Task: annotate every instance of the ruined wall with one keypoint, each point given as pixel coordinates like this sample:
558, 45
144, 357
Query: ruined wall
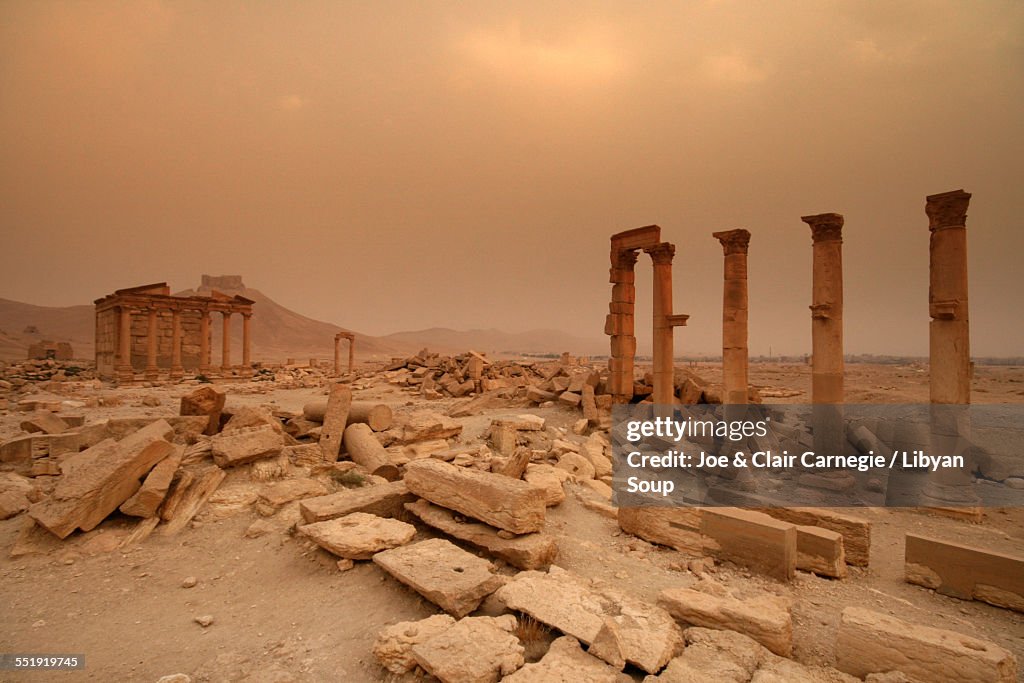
164, 334
106, 342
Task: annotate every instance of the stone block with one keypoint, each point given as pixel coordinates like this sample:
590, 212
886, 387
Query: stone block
425, 424
528, 551
97, 480
820, 551
855, 530
548, 479
964, 572
339, 402
359, 536
281, 493
45, 422
146, 501
566, 662
206, 401
383, 500
448, 576
393, 647
503, 502
870, 642
765, 618
246, 445
751, 539
473, 650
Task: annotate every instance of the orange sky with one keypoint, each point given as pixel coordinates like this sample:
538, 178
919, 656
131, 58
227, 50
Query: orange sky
397, 165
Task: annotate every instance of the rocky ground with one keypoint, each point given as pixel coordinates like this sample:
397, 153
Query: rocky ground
242, 592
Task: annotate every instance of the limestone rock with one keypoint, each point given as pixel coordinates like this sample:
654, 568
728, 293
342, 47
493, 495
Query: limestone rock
393, 648
281, 493
425, 424
383, 500
765, 618
546, 478
44, 421
473, 650
871, 642
528, 551
246, 445
206, 401
506, 503
146, 501
443, 573
97, 480
359, 536
566, 662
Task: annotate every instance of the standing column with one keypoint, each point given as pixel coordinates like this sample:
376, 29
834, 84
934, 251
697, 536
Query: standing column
619, 325
124, 346
664, 366
734, 315
204, 343
152, 371
949, 349
827, 332
177, 371
246, 344
351, 352
225, 357
337, 355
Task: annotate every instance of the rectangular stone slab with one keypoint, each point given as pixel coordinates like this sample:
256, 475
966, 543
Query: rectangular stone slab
97, 480
820, 551
154, 489
765, 618
965, 572
751, 539
383, 500
871, 642
448, 576
503, 502
529, 551
855, 530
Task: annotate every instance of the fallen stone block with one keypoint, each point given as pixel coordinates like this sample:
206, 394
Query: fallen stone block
443, 573
714, 655
870, 642
359, 536
424, 425
245, 445
16, 494
37, 446
146, 501
522, 423
191, 499
964, 572
569, 399
383, 500
576, 465
506, 503
751, 539
45, 422
364, 448
281, 493
566, 662
305, 455
473, 650
186, 429
248, 417
393, 647
529, 551
675, 527
548, 479
339, 402
206, 401
820, 551
97, 480
643, 635
856, 531
765, 618
538, 395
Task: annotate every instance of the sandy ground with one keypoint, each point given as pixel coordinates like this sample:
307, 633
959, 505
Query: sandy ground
284, 612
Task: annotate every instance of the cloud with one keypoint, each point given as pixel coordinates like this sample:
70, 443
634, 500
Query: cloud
583, 56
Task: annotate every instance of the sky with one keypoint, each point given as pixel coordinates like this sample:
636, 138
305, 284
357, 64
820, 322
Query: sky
392, 166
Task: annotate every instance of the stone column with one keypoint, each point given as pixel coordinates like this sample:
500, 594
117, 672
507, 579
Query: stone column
619, 325
152, 371
205, 367
827, 332
734, 316
949, 350
337, 355
124, 345
246, 344
177, 371
351, 353
664, 366
225, 358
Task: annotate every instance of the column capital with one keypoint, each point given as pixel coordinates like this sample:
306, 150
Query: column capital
825, 227
733, 241
947, 210
626, 258
661, 253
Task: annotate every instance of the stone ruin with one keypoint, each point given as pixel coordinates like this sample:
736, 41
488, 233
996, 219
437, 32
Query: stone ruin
147, 330
50, 350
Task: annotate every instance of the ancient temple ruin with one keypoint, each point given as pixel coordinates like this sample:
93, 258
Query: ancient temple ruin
145, 330
351, 351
